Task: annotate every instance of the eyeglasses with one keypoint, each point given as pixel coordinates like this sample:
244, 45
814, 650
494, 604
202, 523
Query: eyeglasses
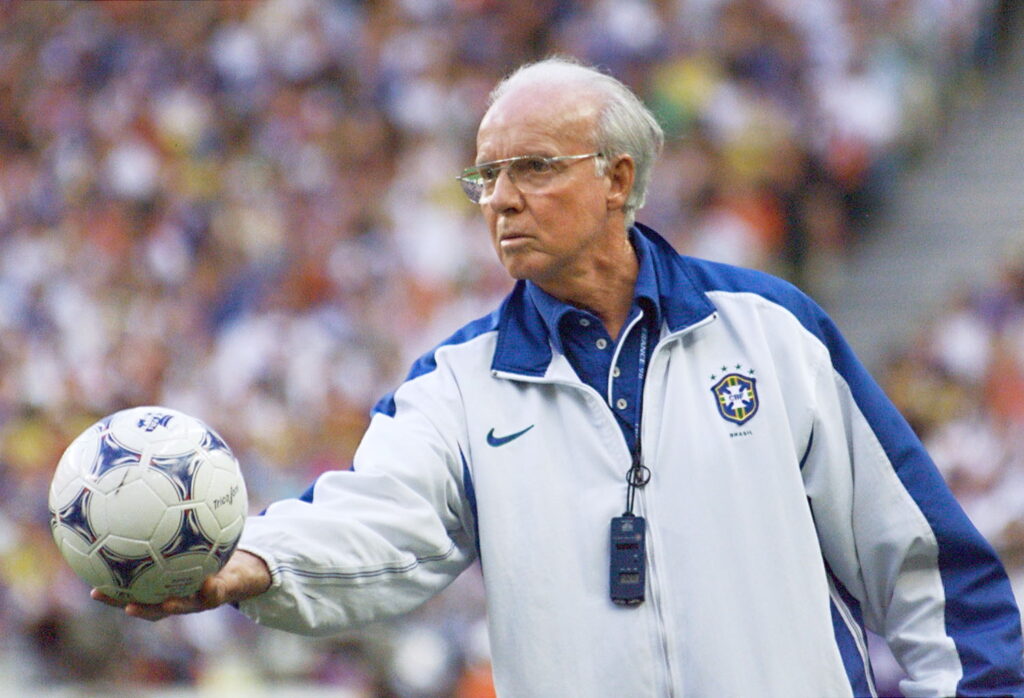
530, 173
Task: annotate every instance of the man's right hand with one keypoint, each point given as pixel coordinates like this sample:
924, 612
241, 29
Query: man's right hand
245, 575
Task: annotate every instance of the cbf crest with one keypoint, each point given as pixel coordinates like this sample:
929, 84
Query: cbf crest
736, 397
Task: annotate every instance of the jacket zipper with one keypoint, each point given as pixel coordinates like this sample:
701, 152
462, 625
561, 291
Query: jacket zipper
653, 584
659, 612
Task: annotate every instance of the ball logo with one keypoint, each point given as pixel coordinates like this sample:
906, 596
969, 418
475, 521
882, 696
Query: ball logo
229, 498
152, 420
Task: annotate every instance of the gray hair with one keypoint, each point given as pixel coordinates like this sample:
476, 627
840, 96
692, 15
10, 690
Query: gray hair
625, 125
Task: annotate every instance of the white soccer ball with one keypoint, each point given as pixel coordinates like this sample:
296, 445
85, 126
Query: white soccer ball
146, 503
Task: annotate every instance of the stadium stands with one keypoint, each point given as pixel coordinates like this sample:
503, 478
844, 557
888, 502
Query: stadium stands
248, 211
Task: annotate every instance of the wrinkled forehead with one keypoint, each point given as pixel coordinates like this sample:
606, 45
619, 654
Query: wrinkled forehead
538, 116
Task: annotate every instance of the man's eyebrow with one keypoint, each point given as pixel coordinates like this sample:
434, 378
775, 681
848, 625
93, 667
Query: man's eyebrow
494, 160
514, 157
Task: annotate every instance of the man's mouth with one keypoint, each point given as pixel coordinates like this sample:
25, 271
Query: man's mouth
509, 239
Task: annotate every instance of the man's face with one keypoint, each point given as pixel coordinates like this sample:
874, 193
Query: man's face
547, 236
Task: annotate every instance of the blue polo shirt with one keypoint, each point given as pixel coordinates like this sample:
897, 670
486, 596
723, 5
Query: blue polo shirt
615, 369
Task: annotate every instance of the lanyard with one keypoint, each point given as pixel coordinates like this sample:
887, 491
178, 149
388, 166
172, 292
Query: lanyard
627, 571
638, 474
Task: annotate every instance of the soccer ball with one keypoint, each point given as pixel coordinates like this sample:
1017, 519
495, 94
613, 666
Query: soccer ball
146, 503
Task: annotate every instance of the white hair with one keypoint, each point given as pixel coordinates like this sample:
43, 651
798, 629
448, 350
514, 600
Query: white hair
624, 125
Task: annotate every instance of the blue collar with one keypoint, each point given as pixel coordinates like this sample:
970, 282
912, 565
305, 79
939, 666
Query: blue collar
529, 318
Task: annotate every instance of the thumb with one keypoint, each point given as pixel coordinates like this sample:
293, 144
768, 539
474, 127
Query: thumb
214, 591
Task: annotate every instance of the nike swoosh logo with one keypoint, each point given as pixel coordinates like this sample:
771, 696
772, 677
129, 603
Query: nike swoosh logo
496, 441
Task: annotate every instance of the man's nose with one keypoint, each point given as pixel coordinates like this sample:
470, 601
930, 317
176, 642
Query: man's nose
505, 195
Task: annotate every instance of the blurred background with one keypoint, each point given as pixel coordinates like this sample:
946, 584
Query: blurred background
247, 211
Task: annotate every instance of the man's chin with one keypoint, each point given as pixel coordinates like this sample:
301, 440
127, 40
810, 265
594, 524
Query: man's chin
524, 272
519, 267
528, 265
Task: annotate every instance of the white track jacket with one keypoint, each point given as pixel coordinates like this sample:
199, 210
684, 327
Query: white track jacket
790, 506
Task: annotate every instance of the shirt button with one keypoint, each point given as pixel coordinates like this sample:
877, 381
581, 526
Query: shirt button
615, 372
601, 343
584, 322
621, 403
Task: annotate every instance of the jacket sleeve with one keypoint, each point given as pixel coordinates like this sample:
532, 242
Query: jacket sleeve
381, 539
899, 547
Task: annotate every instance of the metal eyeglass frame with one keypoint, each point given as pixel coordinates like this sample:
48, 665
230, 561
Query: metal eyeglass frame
472, 178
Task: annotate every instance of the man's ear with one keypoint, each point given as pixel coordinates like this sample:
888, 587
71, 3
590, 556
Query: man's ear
620, 172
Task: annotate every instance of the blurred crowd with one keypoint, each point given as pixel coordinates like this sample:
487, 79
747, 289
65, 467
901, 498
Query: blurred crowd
248, 211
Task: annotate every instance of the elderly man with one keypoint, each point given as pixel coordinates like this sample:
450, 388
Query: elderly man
678, 478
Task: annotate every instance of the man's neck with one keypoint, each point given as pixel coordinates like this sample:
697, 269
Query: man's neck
606, 289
